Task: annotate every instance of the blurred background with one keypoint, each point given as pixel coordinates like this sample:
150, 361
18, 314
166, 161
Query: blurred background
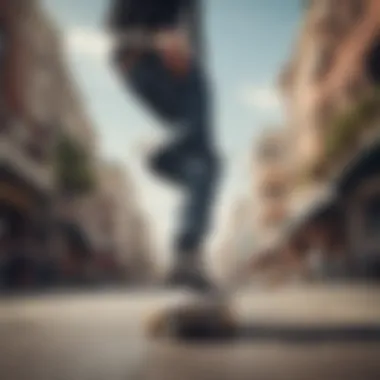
298, 120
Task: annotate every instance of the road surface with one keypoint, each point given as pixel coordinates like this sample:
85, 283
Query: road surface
101, 336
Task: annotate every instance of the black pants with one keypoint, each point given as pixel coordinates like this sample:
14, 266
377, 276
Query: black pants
190, 159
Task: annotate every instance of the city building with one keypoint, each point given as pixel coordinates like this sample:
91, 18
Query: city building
29, 98
328, 73
329, 89
76, 123
41, 105
272, 180
115, 222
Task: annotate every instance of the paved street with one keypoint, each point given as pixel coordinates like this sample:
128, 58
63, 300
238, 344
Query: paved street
101, 336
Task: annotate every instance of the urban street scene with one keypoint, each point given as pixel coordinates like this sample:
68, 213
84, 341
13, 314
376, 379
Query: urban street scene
154, 150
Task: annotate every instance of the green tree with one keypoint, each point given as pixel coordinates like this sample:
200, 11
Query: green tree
347, 127
74, 171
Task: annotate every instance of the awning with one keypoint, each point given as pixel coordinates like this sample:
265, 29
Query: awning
33, 173
365, 164
316, 205
15, 196
19, 190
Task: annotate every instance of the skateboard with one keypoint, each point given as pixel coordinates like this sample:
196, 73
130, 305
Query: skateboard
195, 317
200, 316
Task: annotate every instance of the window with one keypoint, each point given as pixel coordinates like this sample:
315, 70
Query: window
372, 216
270, 151
325, 7
325, 114
41, 90
322, 62
356, 8
40, 142
275, 217
2, 42
373, 61
273, 191
3, 58
354, 88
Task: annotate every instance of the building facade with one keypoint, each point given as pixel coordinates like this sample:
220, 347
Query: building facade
28, 103
29, 120
272, 183
329, 89
328, 72
131, 233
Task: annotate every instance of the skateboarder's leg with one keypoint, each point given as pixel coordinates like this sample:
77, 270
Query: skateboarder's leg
189, 267
199, 159
190, 158
201, 172
183, 103
151, 82
160, 91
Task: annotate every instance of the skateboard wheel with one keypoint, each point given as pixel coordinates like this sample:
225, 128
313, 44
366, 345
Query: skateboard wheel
189, 323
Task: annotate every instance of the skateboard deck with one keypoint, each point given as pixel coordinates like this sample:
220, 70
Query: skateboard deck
195, 317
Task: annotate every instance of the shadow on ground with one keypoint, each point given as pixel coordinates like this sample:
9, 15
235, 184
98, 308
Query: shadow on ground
261, 333
310, 334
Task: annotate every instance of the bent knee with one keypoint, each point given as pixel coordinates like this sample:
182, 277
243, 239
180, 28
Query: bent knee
207, 167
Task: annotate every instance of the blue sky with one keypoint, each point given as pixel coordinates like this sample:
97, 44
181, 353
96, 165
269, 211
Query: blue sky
249, 41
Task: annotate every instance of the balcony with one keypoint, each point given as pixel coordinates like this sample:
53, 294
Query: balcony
275, 173
274, 215
39, 145
333, 19
323, 62
274, 191
271, 152
24, 150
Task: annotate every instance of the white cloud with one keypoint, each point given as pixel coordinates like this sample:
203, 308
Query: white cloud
87, 41
261, 97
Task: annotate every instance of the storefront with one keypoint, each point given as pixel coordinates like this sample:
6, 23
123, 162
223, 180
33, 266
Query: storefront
23, 234
22, 208
359, 187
